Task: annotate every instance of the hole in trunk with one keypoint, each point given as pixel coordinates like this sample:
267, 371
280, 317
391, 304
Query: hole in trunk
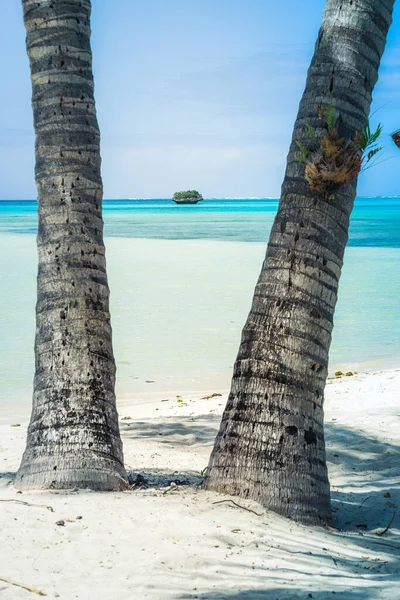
310, 437
291, 430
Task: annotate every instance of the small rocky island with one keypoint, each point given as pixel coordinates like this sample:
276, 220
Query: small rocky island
188, 197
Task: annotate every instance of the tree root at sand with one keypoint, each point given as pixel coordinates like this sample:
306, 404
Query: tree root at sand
388, 526
240, 506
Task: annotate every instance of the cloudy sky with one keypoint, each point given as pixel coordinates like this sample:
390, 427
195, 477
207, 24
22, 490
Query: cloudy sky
191, 95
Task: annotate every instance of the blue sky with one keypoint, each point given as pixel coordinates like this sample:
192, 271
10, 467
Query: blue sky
191, 95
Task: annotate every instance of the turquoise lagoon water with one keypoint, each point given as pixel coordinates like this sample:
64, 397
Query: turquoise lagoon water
375, 221
180, 293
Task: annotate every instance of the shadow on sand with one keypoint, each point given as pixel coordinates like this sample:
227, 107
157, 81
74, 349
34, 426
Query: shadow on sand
364, 471
184, 431
365, 492
356, 563
282, 593
6, 479
157, 478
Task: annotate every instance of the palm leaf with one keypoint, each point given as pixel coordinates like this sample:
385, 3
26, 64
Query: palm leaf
302, 149
310, 131
372, 152
366, 139
330, 117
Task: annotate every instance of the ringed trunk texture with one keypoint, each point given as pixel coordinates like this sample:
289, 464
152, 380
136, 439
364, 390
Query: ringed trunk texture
73, 436
270, 446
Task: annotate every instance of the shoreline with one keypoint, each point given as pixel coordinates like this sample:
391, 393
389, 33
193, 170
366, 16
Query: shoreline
184, 402
146, 400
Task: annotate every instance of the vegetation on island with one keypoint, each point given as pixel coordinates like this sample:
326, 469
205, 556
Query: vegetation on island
187, 195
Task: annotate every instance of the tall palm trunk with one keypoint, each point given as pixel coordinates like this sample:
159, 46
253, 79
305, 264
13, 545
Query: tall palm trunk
73, 436
270, 446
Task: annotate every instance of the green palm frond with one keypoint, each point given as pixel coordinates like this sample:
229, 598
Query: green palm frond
303, 149
330, 117
366, 138
310, 131
372, 152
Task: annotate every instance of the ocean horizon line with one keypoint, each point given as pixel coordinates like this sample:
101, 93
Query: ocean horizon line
164, 199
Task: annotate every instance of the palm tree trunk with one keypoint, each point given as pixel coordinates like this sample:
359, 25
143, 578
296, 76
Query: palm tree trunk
270, 446
73, 436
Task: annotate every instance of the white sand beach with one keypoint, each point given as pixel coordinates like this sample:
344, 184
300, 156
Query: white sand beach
168, 539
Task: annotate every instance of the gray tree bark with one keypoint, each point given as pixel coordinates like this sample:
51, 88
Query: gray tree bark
73, 436
270, 446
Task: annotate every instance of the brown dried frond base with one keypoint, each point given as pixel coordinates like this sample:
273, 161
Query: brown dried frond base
333, 164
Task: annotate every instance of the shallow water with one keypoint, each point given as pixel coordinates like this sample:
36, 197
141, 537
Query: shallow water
178, 308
